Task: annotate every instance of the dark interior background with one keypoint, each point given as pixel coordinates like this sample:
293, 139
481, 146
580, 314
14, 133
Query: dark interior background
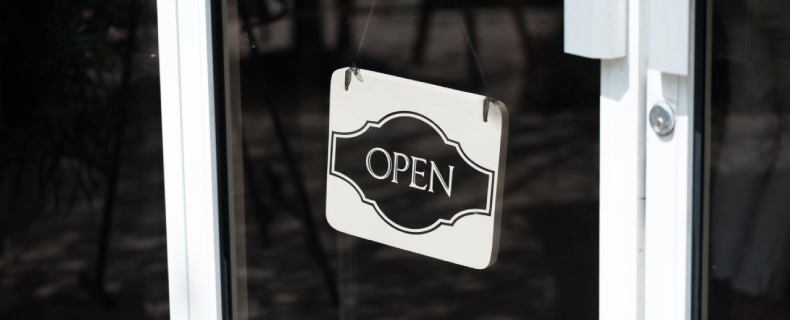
749, 274
82, 217
298, 267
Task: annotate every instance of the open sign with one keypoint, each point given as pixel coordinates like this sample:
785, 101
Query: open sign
415, 166
394, 168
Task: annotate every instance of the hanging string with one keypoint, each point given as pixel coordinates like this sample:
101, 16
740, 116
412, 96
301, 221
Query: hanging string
353, 69
487, 102
472, 47
364, 31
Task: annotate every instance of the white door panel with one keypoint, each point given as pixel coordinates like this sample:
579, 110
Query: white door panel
669, 165
668, 201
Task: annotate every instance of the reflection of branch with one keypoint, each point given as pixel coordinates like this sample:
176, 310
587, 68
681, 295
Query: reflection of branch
54, 139
92, 162
267, 17
313, 241
556, 155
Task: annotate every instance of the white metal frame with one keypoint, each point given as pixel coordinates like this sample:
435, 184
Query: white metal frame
646, 181
621, 240
188, 130
669, 177
668, 207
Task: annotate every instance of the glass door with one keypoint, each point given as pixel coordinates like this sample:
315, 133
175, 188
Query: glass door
82, 204
747, 227
286, 262
716, 181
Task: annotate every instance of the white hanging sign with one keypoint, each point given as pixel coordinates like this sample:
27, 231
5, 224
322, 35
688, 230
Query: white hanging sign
415, 166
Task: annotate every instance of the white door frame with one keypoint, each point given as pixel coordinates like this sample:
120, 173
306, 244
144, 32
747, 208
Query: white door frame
622, 173
647, 181
189, 145
622, 23
673, 190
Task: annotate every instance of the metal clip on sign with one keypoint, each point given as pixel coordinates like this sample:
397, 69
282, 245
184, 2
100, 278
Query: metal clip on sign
486, 106
353, 69
358, 74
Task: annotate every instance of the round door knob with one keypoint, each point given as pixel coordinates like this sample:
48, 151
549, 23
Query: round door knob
662, 118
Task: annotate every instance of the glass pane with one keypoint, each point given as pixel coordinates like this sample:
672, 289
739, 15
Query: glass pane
750, 161
290, 264
82, 217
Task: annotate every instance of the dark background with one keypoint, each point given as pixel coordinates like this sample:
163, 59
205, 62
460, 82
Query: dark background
82, 216
749, 272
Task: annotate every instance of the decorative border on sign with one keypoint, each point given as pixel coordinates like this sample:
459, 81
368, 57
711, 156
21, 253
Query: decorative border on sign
447, 141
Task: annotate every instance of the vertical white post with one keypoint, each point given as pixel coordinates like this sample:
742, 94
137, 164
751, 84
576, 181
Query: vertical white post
622, 219
189, 158
669, 178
